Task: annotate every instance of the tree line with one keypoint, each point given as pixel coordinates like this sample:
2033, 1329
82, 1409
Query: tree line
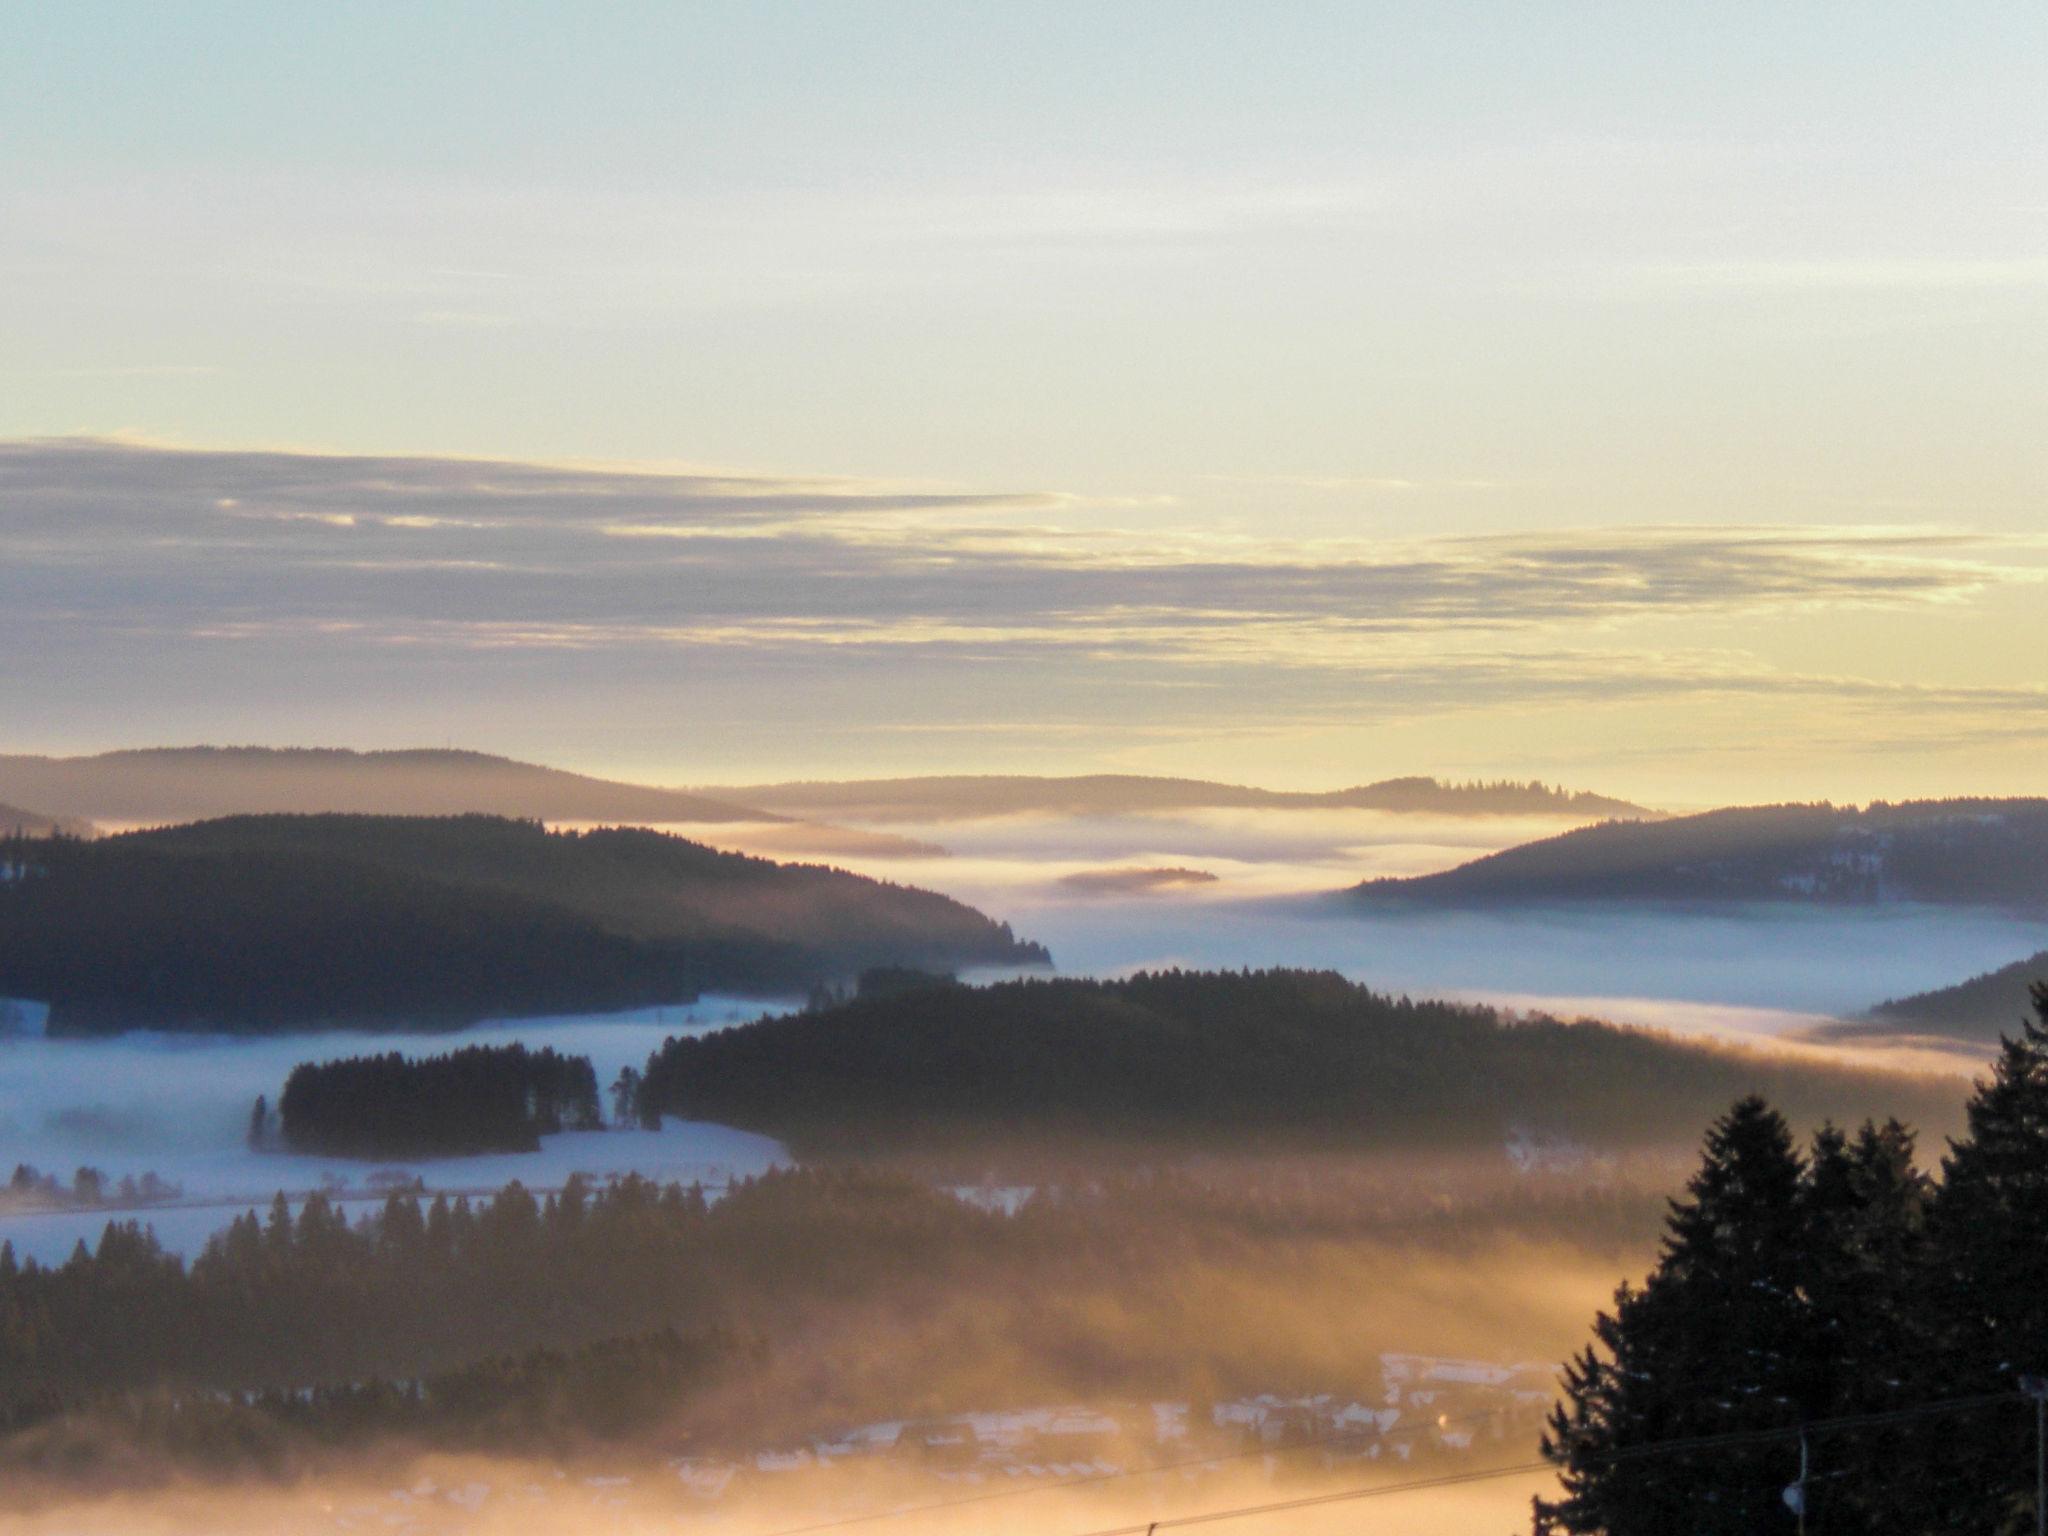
1276, 1059
1838, 1284
496, 1098
303, 1325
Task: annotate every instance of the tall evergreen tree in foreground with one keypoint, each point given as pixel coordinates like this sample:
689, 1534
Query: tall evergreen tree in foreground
1713, 1343
1790, 1295
1988, 1290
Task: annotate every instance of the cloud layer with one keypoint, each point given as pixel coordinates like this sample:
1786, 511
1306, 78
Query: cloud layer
386, 577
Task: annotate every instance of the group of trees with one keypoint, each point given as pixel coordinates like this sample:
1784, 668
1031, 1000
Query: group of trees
88, 1189
1892, 1320
290, 1300
482, 1098
537, 1400
1279, 1059
805, 1298
272, 923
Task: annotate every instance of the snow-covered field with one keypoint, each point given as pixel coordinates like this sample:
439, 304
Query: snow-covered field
178, 1106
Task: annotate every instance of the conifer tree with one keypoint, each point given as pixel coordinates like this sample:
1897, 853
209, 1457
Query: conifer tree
1987, 1292
1712, 1343
1866, 1204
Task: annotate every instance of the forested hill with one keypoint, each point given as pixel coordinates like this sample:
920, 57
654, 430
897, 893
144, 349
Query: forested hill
280, 922
15, 822
160, 784
1226, 1062
968, 797
1954, 852
1982, 1008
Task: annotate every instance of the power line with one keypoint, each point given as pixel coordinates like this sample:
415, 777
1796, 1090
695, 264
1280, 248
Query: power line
1727, 1440
1154, 1469
1378, 1490
1636, 1452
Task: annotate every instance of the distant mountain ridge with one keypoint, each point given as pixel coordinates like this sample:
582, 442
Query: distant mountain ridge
970, 796
274, 923
154, 784
1970, 852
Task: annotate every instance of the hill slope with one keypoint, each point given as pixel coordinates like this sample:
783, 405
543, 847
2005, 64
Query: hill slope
1982, 1008
190, 783
968, 797
277, 922
15, 822
1225, 1061
1957, 852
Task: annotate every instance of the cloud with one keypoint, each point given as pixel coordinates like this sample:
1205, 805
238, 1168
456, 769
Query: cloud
515, 574
1858, 273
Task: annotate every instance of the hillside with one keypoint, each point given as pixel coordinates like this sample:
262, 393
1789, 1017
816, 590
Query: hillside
278, 922
1982, 1008
1233, 1062
971, 797
15, 822
1953, 852
192, 783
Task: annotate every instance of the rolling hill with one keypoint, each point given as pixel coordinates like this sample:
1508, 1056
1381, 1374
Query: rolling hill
1952, 852
281, 922
1231, 1062
972, 797
160, 784
1982, 1008
15, 822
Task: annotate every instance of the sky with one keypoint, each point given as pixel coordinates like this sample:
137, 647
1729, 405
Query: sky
1647, 398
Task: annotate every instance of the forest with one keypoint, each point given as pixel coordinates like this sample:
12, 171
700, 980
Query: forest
272, 923
1835, 1308
923, 1302
1228, 1061
478, 1099
1974, 852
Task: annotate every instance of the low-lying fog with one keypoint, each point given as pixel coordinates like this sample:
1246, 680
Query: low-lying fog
1746, 970
504, 1497
178, 1107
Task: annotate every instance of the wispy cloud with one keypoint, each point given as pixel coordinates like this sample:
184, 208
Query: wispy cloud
1858, 272
527, 574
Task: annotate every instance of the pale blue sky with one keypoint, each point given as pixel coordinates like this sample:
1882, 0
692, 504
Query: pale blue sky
1313, 282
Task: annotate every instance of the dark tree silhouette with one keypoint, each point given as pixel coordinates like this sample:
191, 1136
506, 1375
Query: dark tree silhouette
478, 1099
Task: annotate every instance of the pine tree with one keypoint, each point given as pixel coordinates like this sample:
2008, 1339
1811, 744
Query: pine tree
1866, 1205
1712, 1343
1988, 1293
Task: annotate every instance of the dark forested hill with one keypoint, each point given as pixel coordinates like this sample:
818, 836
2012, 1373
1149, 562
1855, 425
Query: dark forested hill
1982, 1008
183, 783
967, 797
273, 922
1960, 852
1226, 1061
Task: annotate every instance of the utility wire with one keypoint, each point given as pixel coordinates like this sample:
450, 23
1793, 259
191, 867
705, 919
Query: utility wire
1634, 1452
1729, 1439
1153, 1469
